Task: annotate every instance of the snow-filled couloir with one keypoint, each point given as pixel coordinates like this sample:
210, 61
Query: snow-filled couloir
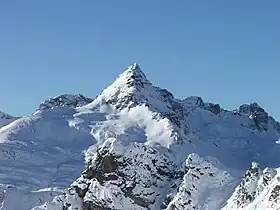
144, 149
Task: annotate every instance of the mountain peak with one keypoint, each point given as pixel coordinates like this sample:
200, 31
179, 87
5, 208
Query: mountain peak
132, 76
146, 150
135, 66
5, 116
131, 85
5, 119
65, 100
255, 112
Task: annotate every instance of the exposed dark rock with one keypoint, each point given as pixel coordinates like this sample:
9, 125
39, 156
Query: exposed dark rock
65, 100
257, 114
214, 108
93, 206
246, 191
113, 168
275, 193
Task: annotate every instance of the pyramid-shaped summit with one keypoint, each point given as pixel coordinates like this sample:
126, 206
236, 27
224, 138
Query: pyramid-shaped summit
133, 76
129, 87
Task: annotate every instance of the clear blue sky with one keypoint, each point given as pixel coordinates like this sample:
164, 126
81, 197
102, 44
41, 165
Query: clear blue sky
225, 51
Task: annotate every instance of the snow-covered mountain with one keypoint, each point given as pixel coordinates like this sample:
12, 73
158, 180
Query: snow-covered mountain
5, 119
65, 100
144, 149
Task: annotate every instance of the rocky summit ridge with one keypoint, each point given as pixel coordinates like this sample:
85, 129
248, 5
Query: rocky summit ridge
65, 100
5, 119
144, 149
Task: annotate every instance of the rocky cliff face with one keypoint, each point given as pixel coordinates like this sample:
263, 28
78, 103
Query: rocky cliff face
112, 182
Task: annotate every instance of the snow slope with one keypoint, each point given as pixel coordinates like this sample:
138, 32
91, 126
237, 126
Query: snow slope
38, 153
144, 149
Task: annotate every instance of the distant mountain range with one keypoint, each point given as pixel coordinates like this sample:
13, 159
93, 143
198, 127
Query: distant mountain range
136, 147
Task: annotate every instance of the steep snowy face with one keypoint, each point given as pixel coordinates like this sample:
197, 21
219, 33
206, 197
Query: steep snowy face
66, 100
246, 191
258, 190
131, 88
201, 186
128, 89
